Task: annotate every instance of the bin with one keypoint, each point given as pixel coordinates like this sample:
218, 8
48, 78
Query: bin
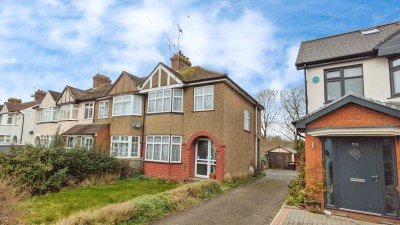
292, 166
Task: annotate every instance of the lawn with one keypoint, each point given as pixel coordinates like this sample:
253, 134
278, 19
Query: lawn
52, 207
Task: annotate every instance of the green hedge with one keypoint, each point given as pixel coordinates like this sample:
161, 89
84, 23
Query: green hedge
40, 170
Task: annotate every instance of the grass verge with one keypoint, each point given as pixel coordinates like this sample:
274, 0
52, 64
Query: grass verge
52, 207
148, 207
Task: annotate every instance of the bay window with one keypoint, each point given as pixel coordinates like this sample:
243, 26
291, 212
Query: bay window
125, 146
177, 102
103, 109
127, 105
49, 114
163, 148
160, 101
69, 112
88, 110
342, 81
204, 98
395, 76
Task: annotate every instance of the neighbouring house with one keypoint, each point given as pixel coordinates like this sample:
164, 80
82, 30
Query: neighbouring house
352, 128
280, 157
71, 114
18, 120
182, 122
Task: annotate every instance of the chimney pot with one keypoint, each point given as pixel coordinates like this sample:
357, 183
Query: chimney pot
180, 61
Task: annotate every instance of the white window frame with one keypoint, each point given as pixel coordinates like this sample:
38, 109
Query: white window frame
52, 112
74, 142
169, 143
177, 97
104, 107
47, 138
162, 98
246, 120
71, 108
203, 96
88, 110
84, 140
5, 139
5, 119
130, 111
129, 142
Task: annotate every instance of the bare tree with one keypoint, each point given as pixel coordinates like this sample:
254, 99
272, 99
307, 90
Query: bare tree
293, 108
268, 99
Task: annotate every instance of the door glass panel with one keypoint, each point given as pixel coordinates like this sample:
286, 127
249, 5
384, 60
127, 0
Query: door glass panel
202, 169
390, 182
333, 90
202, 149
353, 86
328, 171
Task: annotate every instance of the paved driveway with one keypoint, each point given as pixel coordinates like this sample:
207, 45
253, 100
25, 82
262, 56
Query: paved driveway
256, 203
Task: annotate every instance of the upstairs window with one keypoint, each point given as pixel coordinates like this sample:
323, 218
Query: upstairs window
160, 101
69, 112
204, 98
6, 119
50, 114
88, 110
395, 76
103, 109
127, 105
342, 81
246, 120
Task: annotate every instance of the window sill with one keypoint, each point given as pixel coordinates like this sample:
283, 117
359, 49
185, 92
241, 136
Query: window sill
394, 96
47, 122
208, 110
126, 115
102, 117
164, 162
248, 131
163, 113
126, 157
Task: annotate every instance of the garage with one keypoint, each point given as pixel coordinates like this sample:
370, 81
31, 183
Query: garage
280, 157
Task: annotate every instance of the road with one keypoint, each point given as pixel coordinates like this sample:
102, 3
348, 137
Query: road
256, 203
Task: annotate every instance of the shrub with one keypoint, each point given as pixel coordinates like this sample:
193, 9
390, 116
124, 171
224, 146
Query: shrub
297, 186
50, 169
9, 198
147, 207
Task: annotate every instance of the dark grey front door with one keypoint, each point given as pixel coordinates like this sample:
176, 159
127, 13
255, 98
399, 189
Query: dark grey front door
358, 174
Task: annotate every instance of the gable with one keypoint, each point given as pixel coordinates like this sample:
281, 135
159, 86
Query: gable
66, 97
123, 84
391, 46
161, 77
4, 109
47, 101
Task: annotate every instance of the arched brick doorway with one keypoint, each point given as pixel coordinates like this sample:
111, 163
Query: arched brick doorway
220, 152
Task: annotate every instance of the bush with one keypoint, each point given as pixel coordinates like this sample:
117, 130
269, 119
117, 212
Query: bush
50, 169
9, 198
297, 186
148, 207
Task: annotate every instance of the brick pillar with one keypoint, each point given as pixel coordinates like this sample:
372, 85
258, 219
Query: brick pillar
220, 162
314, 165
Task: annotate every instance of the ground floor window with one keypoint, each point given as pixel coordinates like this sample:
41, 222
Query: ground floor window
71, 142
5, 139
87, 142
125, 146
164, 148
45, 140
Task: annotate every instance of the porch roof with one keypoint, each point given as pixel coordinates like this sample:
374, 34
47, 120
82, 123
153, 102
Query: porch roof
85, 129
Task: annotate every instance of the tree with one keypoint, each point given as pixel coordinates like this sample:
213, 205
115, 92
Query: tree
293, 108
268, 99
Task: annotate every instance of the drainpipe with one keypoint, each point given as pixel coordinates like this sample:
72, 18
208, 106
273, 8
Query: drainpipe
255, 140
22, 129
305, 87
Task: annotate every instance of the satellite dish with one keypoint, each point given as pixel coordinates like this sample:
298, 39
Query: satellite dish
136, 124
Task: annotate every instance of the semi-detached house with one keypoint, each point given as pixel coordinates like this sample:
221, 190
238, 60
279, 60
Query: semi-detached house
352, 128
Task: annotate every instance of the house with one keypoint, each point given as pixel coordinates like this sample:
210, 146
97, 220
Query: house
17, 121
70, 113
181, 122
280, 157
352, 128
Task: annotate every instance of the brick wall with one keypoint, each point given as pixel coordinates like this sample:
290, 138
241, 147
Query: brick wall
102, 141
350, 115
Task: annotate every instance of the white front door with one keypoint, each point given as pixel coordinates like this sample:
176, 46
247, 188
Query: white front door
205, 158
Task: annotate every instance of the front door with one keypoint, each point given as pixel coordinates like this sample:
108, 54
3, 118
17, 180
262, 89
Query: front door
205, 158
358, 174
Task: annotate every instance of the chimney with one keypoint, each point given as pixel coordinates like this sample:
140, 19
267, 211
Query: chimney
99, 79
39, 94
180, 62
14, 100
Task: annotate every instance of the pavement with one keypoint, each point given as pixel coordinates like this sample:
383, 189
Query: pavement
256, 203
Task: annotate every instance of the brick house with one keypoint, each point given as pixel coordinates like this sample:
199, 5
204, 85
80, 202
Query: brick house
182, 122
352, 127
17, 121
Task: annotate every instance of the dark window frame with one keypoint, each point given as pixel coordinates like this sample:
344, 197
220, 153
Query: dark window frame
342, 79
393, 69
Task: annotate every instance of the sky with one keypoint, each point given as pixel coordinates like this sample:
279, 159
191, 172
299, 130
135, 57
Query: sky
48, 44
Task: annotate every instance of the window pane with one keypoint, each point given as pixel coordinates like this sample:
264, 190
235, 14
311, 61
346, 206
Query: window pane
208, 89
151, 105
157, 139
177, 104
176, 140
167, 93
328, 171
164, 153
157, 152
208, 102
167, 104
137, 104
396, 63
165, 139
353, 72
151, 95
333, 90
175, 153
198, 103
396, 81
149, 151
198, 91
178, 92
159, 105
390, 180
332, 74
150, 139
353, 86
159, 94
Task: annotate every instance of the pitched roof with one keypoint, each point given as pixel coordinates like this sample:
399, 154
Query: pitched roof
344, 45
85, 129
392, 109
55, 95
198, 73
76, 93
94, 93
137, 80
287, 149
13, 107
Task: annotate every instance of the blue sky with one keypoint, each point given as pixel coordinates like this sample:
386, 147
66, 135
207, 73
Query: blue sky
48, 44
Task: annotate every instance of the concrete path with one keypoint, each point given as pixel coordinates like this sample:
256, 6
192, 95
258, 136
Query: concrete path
256, 203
